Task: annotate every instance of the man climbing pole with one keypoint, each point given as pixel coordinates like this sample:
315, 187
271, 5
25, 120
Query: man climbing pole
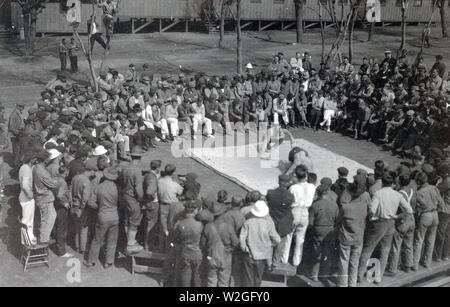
109, 8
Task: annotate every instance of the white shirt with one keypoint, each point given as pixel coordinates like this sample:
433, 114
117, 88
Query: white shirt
303, 193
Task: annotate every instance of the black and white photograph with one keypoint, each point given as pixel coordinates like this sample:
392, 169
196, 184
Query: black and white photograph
256, 145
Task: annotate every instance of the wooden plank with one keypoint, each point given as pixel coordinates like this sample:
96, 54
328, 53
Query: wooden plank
403, 279
311, 25
437, 283
143, 26
245, 25
177, 21
289, 25
147, 269
268, 25
150, 255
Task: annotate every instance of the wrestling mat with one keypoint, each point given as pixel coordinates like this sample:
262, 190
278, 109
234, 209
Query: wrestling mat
243, 165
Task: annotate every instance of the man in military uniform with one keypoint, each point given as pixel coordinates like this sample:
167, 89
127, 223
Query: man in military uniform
15, 127
133, 194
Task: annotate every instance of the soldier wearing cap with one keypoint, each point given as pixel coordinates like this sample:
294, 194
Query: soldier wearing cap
104, 200
16, 125
82, 215
323, 216
341, 183
131, 182
279, 201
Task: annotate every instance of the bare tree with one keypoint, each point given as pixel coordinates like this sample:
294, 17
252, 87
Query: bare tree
238, 37
354, 7
299, 11
30, 11
222, 23
442, 8
88, 51
404, 9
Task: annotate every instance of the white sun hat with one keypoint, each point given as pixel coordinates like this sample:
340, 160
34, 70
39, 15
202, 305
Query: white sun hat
260, 209
54, 153
99, 151
249, 66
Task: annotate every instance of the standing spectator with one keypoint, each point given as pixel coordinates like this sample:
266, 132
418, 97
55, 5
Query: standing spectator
81, 214
442, 248
257, 238
168, 192
133, 194
351, 224
402, 242
280, 201
322, 219
151, 203
428, 202
63, 49
304, 195
104, 199
62, 205
43, 184
236, 219
219, 240
26, 197
16, 125
73, 57
187, 235
381, 228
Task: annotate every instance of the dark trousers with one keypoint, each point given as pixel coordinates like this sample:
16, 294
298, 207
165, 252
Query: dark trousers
97, 37
323, 244
60, 229
221, 278
73, 63
63, 60
189, 274
442, 246
151, 218
253, 271
15, 144
378, 232
316, 117
108, 230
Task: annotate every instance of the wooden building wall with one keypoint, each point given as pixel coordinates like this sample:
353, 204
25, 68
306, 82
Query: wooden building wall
52, 20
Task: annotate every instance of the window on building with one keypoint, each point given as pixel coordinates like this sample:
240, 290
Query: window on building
398, 3
255, 1
343, 1
324, 2
278, 1
417, 3
383, 2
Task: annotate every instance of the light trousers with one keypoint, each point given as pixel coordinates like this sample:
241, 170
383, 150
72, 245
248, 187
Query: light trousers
48, 217
327, 116
28, 217
173, 124
202, 121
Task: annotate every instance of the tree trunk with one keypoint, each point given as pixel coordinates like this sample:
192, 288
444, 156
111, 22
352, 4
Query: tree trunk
371, 31
350, 33
322, 34
27, 30
442, 5
238, 37
222, 23
299, 19
402, 44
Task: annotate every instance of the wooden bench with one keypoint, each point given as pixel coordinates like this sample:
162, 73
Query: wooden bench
156, 269
284, 272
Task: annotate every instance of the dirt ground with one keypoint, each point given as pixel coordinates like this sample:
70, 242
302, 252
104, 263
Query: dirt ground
22, 79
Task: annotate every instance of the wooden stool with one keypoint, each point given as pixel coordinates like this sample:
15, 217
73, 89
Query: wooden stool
33, 255
142, 268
